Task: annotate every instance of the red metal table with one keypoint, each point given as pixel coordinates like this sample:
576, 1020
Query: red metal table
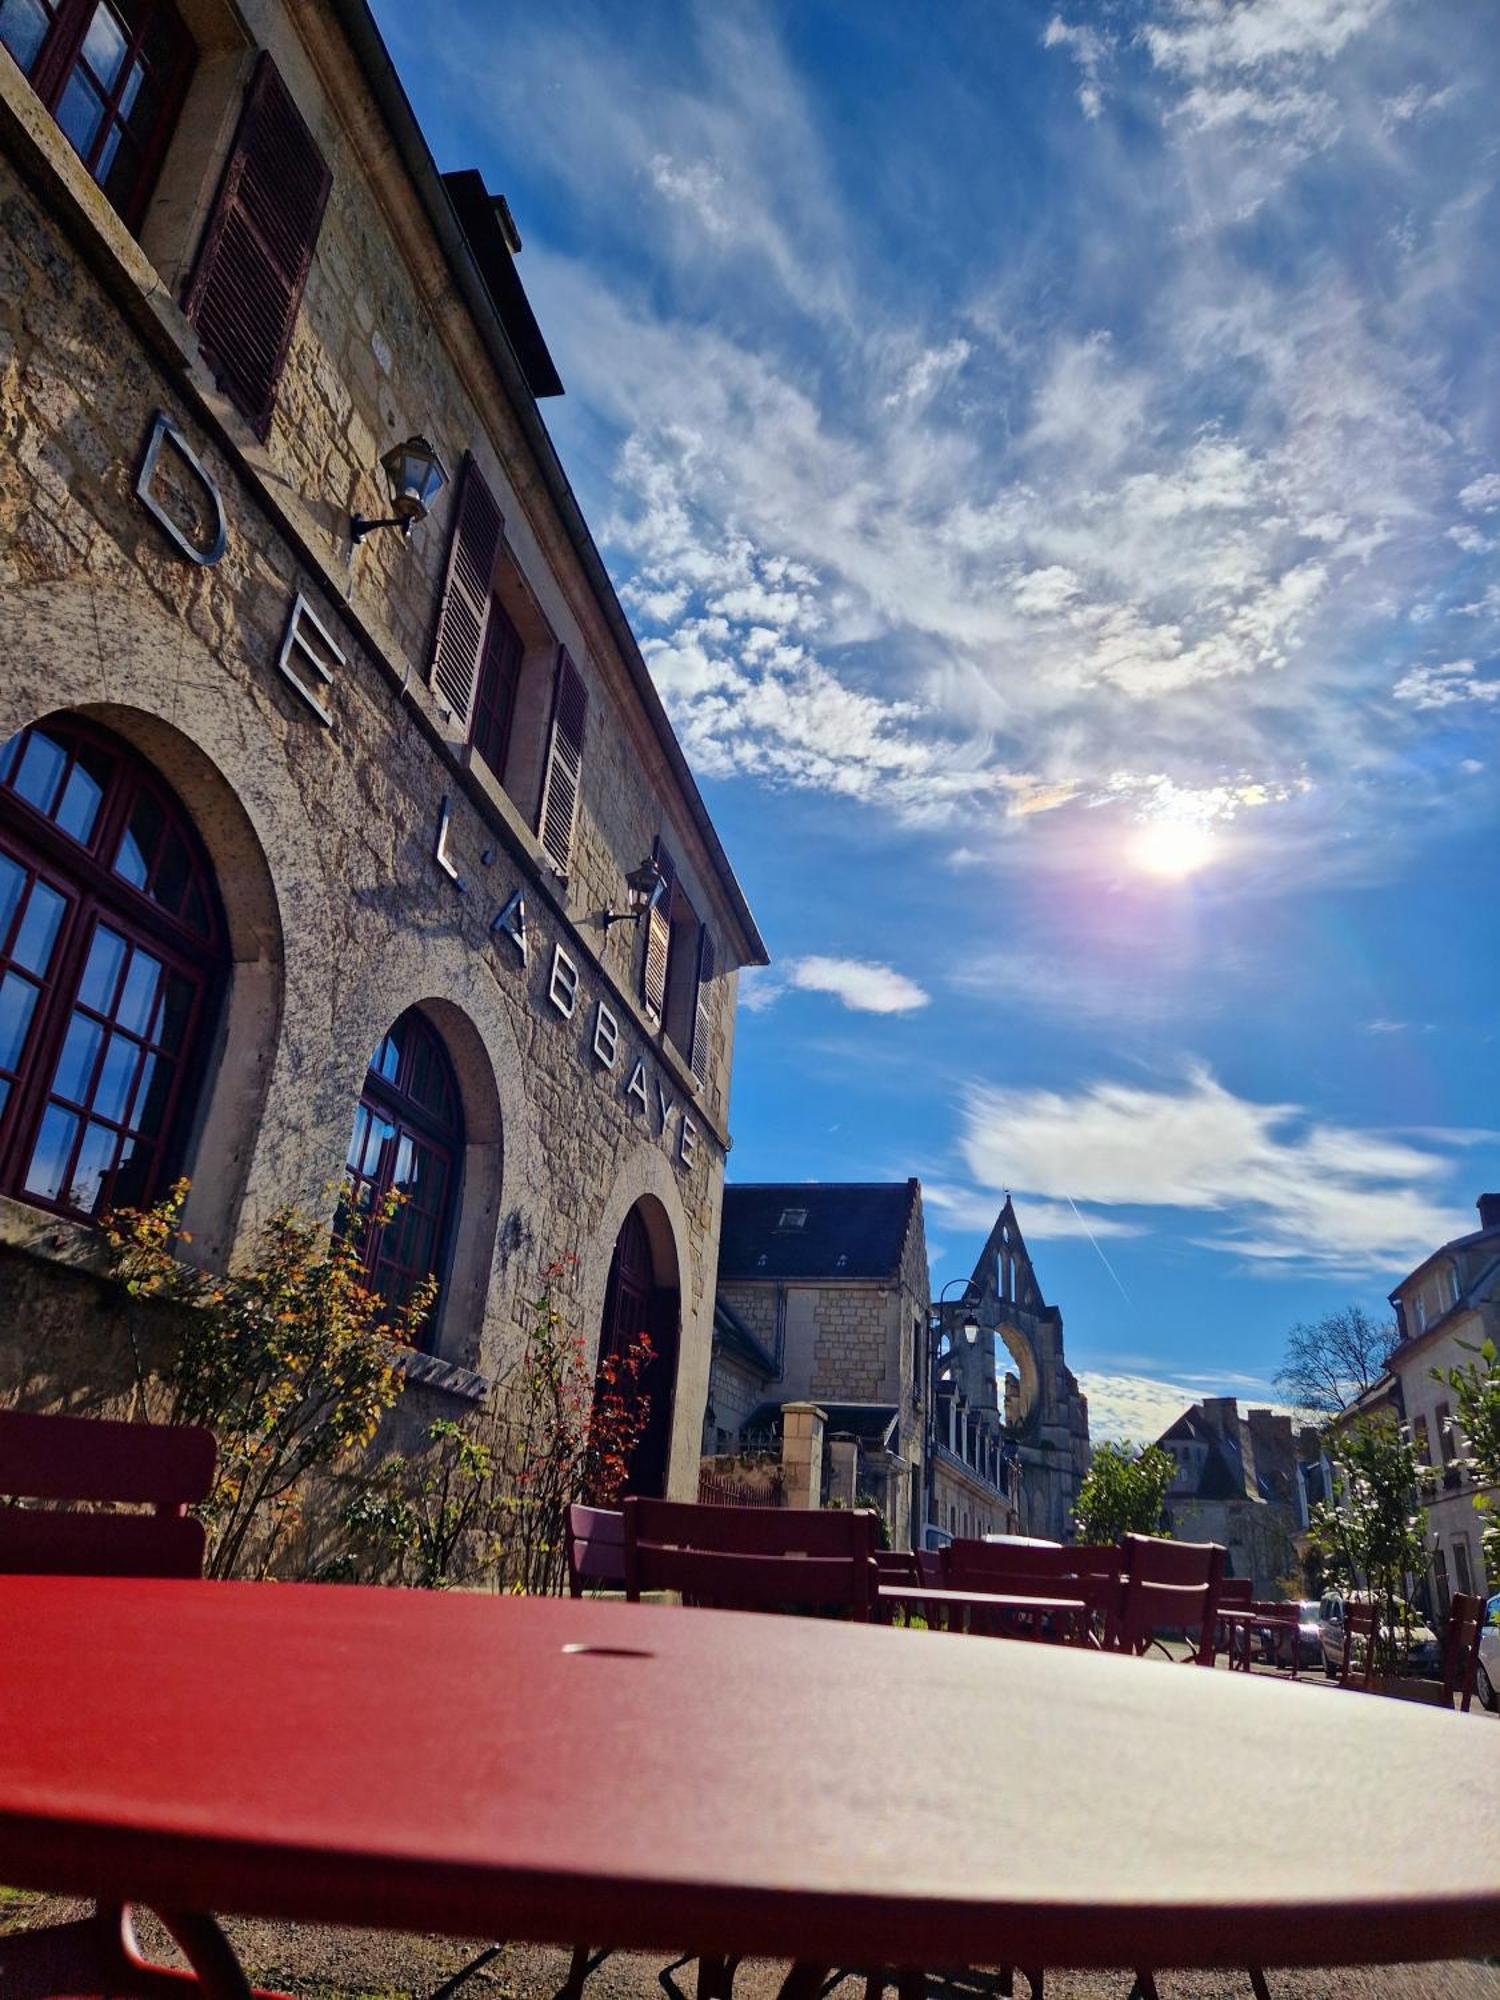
711, 1782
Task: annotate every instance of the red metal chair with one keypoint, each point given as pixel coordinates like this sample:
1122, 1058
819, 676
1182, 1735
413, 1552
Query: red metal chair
93, 1462
596, 1549
752, 1558
1231, 1627
1461, 1649
1096, 1574
1172, 1586
90, 1460
1280, 1621
1010, 1569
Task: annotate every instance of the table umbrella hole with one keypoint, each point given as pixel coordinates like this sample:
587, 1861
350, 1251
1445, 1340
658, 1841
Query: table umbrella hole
609, 1652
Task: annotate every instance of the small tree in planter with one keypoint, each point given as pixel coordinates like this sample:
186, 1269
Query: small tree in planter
1370, 1533
423, 1522
288, 1362
1123, 1493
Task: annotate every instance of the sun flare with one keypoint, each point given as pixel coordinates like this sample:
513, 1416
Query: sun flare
1174, 848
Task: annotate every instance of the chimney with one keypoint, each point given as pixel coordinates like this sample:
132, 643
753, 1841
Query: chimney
1489, 1211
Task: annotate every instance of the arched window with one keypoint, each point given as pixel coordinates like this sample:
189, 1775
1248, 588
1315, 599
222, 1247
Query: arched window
408, 1136
111, 954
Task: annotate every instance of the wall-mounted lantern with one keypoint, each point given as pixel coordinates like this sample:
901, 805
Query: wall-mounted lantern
416, 477
643, 885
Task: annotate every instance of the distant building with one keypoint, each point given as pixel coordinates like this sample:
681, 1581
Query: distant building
1447, 1306
1036, 1441
1239, 1482
822, 1298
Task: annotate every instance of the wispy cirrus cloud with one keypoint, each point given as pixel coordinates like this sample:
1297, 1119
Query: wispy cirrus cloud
1130, 1408
1267, 1183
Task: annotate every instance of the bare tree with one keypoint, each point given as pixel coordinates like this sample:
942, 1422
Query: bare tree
1332, 1361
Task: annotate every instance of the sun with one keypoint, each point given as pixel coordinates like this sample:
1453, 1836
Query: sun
1174, 848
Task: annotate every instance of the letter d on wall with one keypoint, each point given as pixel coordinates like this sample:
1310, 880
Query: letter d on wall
159, 488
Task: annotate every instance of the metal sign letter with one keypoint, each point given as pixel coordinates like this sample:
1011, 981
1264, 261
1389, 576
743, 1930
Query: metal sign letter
562, 987
440, 852
164, 431
511, 923
606, 1036
637, 1085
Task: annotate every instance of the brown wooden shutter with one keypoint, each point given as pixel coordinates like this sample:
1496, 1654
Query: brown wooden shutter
559, 814
702, 1022
659, 935
464, 609
247, 283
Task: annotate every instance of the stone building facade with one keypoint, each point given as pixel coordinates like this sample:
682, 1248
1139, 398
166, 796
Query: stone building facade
1239, 1482
829, 1281
402, 778
1445, 1309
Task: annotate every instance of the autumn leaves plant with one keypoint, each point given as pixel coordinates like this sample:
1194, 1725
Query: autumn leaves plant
293, 1362
288, 1361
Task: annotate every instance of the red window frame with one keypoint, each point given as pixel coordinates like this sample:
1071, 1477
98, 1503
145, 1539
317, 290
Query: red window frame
104, 1063
495, 696
410, 1113
153, 52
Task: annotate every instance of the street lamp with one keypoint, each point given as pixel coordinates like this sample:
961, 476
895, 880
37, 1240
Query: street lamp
416, 477
643, 885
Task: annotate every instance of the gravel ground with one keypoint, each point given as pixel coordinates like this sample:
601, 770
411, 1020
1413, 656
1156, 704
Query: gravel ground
314, 1963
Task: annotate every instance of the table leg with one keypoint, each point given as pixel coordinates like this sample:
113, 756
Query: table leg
802, 1982
101, 1955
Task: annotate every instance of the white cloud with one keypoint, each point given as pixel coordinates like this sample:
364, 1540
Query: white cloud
1041, 1221
1480, 495
1447, 686
1136, 1409
932, 367
1286, 1188
1089, 50
863, 986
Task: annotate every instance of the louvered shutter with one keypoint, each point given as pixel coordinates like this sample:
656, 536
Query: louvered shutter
702, 1022
570, 707
248, 280
659, 935
464, 610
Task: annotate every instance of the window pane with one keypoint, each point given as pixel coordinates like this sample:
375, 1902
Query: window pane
104, 45
149, 1110
80, 804
387, 1059
175, 1007
102, 973
94, 1159
131, 1170
49, 1156
171, 875
81, 113
41, 769
23, 26
17, 1002
357, 1139
75, 1066
12, 882
38, 933
139, 998
138, 846
112, 1093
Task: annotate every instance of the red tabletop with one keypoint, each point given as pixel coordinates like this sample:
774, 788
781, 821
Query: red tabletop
714, 1782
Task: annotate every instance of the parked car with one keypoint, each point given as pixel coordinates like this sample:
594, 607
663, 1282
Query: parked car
1487, 1677
1273, 1645
1421, 1652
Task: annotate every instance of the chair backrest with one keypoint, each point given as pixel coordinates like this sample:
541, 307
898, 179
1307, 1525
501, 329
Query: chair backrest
751, 1558
1172, 1586
165, 1467
1461, 1647
929, 1568
1096, 1573
1359, 1623
897, 1566
1008, 1568
596, 1549
1236, 1593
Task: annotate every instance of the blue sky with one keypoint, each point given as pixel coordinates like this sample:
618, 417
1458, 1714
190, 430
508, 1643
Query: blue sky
1050, 456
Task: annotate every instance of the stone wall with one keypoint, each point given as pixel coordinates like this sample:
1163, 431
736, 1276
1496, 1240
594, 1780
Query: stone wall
325, 838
